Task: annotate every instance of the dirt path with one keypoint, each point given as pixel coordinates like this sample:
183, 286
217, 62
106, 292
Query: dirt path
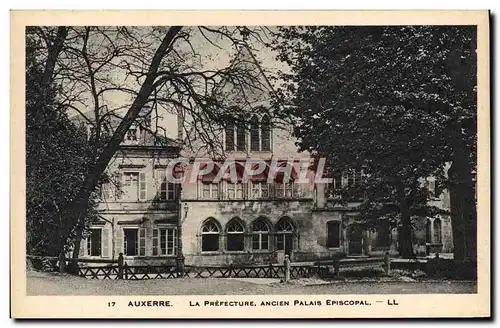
39, 283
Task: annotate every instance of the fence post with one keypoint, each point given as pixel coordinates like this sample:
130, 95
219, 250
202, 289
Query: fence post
387, 263
287, 268
120, 266
336, 267
270, 272
437, 268
125, 269
62, 263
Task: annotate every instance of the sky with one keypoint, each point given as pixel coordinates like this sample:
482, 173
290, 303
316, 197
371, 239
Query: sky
211, 57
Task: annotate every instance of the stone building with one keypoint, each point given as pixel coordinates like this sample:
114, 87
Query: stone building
203, 222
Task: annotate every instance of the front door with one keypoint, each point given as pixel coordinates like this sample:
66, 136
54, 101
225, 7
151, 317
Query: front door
356, 242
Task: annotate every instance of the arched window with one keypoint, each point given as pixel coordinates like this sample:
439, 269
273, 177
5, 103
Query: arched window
241, 140
428, 232
260, 234
285, 229
229, 137
265, 134
210, 232
437, 231
235, 235
254, 134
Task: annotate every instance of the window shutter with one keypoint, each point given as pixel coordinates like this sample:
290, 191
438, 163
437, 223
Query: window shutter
149, 240
142, 186
118, 185
142, 242
155, 242
174, 233
105, 242
119, 241
83, 248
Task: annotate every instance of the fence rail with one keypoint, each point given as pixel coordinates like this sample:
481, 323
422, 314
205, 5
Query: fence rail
118, 269
170, 272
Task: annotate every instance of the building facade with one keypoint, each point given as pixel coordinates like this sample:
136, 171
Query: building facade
209, 222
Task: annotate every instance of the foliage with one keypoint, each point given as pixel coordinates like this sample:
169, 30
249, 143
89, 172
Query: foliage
397, 102
57, 160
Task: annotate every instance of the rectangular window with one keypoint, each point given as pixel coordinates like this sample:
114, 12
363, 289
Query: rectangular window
260, 241
164, 241
210, 190
230, 137
260, 189
165, 190
132, 134
161, 184
337, 180
155, 242
210, 242
235, 241
266, 137
105, 191
172, 191
130, 186
358, 178
239, 191
131, 242
280, 190
134, 186
333, 230
431, 187
118, 181
288, 190
350, 180
280, 242
284, 190
94, 242
241, 140
231, 190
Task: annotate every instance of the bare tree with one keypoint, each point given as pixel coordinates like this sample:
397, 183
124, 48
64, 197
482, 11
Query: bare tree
124, 75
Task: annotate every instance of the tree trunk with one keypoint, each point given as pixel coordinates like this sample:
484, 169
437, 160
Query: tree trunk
463, 205
72, 263
406, 244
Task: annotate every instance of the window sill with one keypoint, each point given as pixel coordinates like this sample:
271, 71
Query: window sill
260, 251
235, 252
210, 253
334, 248
290, 199
381, 248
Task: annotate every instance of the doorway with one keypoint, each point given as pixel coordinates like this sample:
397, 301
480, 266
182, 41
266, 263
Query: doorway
355, 241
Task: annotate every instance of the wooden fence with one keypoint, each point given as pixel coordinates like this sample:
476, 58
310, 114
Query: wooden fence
135, 272
118, 269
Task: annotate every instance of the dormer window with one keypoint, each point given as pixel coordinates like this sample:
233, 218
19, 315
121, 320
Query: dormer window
265, 134
132, 134
256, 136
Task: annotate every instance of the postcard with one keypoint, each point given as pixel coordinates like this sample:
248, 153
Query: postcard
250, 164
